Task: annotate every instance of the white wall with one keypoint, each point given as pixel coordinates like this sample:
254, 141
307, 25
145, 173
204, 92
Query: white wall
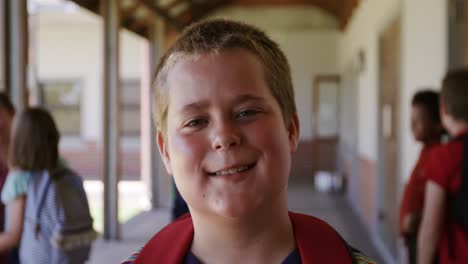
424, 62
309, 54
70, 46
284, 18
362, 33
424, 55
309, 39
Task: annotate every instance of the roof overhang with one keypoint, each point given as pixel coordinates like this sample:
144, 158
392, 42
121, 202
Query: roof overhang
139, 15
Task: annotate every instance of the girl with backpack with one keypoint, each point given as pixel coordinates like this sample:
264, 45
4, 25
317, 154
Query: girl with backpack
47, 210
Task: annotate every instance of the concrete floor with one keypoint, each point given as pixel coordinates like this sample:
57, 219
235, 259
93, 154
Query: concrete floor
302, 198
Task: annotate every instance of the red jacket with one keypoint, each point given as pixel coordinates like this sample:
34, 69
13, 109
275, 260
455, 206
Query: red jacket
317, 241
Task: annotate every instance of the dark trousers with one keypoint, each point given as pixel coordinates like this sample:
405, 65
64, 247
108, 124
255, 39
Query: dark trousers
411, 242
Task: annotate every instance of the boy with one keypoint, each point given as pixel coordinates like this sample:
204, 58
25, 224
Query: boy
427, 129
227, 125
441, 231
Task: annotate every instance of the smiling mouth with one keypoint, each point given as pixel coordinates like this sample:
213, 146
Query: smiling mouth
232, 170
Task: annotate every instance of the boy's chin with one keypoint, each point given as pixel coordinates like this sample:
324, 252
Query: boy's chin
418, 138
235, 212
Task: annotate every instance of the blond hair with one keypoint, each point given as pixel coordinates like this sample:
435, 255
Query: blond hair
454, 93
215, 36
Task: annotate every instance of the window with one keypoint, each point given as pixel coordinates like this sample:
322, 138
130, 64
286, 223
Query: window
62, 98
130, 107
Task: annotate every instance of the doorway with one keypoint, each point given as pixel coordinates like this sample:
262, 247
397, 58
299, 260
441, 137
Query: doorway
326, 127
465, 33
458, 33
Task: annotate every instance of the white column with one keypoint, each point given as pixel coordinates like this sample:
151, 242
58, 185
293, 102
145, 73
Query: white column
17, 37
153, 173
111, 118
3, 38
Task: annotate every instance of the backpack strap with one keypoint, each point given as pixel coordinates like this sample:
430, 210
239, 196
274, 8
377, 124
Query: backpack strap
458, 200
464, 179
465, 163
318, 242
42, 193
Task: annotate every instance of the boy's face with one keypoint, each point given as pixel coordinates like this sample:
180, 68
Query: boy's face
422, 126
227, 144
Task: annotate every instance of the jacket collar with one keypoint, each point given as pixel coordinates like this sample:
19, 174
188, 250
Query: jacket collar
317, 242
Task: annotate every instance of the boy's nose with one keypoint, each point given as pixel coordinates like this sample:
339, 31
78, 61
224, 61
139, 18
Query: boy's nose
225, 137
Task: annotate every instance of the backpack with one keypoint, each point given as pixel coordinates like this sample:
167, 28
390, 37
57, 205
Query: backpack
58, 227
458, 208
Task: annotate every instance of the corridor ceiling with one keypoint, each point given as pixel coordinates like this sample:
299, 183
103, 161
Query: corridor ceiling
136, 15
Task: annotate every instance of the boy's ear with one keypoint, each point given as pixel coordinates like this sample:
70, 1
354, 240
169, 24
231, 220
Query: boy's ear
162, 147
442, 108
293, 132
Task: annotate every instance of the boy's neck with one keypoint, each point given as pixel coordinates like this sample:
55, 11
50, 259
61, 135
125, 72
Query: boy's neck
432, 141
263, 237
457, 128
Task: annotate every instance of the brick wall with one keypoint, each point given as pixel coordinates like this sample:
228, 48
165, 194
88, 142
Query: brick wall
312, 156
88, 163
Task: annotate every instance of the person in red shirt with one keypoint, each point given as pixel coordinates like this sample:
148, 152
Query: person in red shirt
427, 129
441, 238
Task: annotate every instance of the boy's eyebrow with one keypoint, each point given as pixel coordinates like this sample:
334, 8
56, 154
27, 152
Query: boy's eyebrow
248, 97
196, 106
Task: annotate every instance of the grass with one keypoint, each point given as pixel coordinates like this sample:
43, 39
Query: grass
126, 212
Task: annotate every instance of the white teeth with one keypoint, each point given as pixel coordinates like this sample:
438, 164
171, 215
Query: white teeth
241, 169
232, 171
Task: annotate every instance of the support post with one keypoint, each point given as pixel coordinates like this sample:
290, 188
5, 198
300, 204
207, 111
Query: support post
152, 167
17, 52
111, 118
3, 39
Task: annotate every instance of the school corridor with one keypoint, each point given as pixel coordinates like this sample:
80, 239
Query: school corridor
355, 65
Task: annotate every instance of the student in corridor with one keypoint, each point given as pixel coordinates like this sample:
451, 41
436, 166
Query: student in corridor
427, 129
47, 212
227, 126
444, 224
7, 112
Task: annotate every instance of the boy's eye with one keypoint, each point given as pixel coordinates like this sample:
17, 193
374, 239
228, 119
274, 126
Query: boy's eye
195, 122
246, 113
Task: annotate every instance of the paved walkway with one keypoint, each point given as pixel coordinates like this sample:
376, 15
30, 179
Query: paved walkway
331, 208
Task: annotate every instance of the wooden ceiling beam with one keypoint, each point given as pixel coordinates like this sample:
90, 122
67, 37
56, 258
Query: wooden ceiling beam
163, 13
197, 11
137, 27
92, 6
341, 9
329, 6
347, 12
173, 4
128, 12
